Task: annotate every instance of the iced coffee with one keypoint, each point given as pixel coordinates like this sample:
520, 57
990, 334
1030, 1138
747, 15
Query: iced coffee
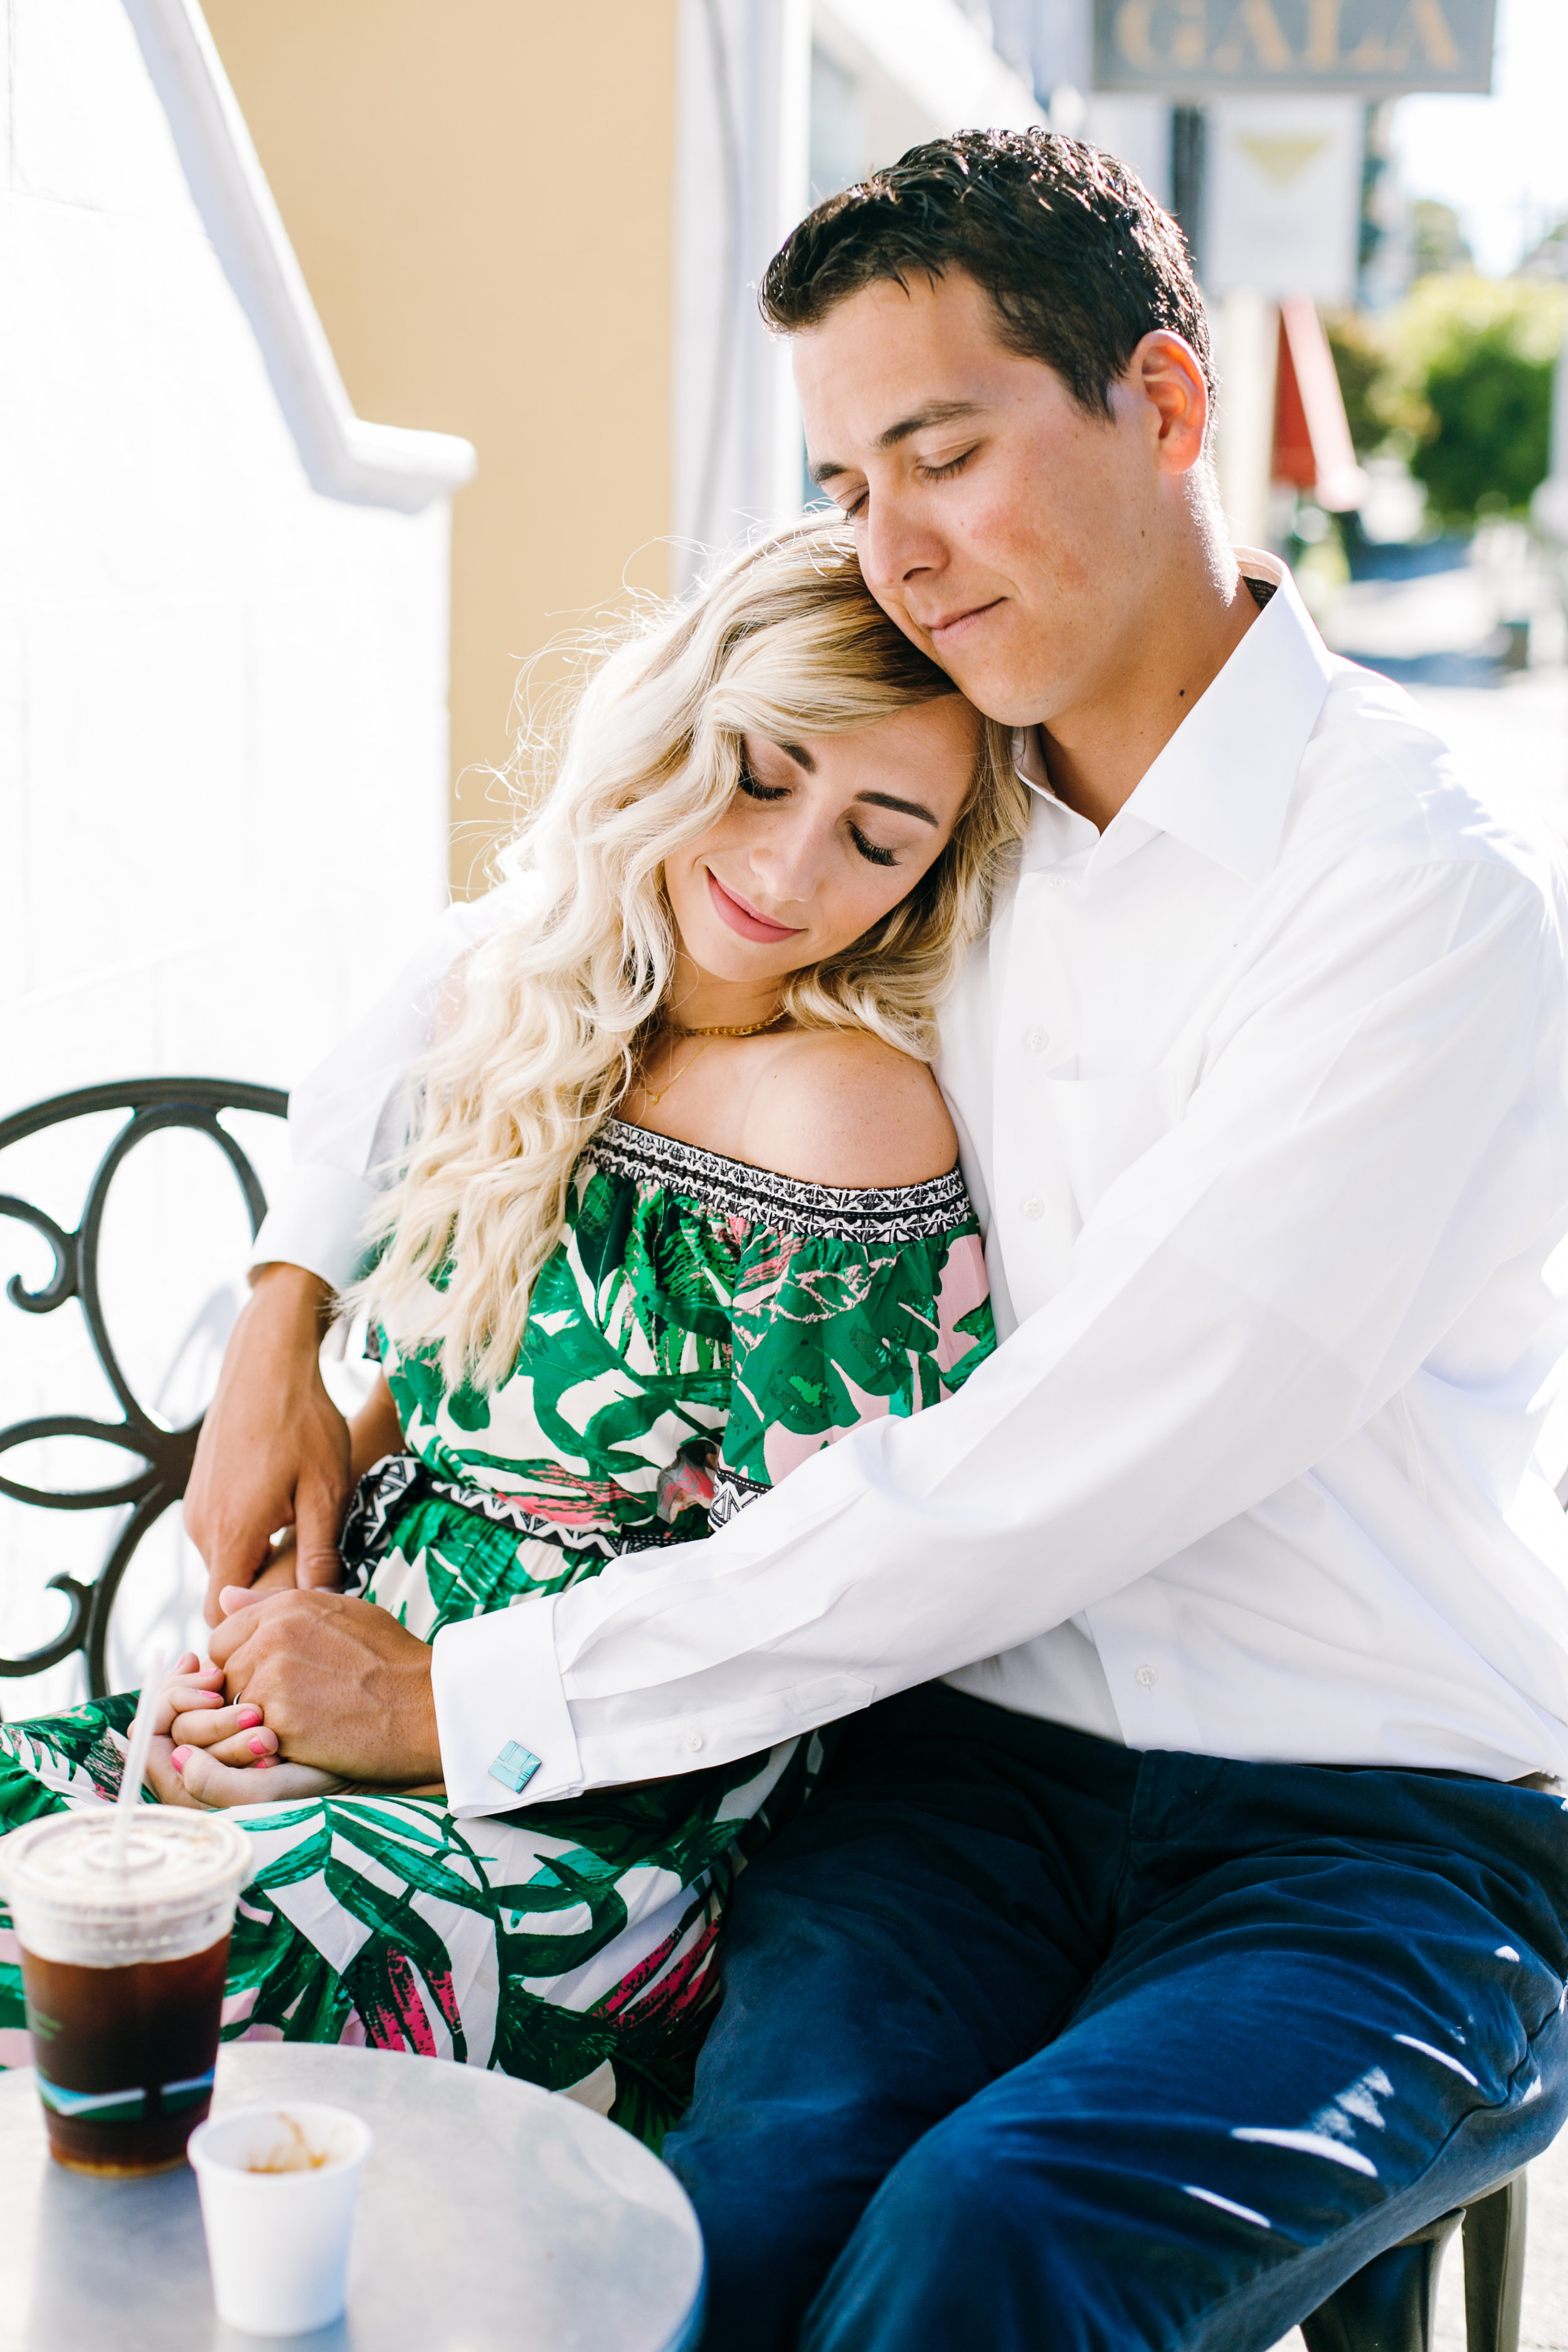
123, 1965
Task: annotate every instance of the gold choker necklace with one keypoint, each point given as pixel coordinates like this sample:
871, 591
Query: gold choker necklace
753, 1030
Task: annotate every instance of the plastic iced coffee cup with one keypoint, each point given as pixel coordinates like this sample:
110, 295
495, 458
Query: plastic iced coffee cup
279, 2189
123, 1965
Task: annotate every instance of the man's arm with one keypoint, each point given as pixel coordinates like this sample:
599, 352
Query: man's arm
274, 1449
1381, 1127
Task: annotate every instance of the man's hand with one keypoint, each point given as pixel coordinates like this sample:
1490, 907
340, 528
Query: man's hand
340, 1682
273, 1448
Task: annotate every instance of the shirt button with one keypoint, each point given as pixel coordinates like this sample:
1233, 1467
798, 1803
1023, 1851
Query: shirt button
1037, 1040
1146, 1677
694, 1740
1034, 1206
1055, 882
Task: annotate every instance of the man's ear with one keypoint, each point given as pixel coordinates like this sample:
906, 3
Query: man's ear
1164, 371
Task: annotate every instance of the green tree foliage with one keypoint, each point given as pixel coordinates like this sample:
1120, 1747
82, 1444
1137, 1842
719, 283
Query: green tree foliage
1361, 363
1462, 372
1477, 358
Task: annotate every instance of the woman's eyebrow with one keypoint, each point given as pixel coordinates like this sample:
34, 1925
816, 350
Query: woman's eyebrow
803, 759
907, 808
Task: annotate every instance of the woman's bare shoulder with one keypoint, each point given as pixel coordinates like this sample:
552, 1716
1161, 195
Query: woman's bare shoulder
838, 1106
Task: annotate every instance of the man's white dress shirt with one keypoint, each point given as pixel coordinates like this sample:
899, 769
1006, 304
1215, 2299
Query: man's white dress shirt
1262, 1097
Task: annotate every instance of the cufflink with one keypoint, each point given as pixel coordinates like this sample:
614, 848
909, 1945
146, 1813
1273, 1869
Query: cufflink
514, 1767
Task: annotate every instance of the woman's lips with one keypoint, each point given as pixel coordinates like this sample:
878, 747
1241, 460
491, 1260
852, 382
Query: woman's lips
743, 918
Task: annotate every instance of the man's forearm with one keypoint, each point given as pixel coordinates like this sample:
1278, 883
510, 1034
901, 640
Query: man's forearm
299, 1305
274, 1449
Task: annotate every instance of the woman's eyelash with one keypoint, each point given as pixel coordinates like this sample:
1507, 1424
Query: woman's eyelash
869, 850
757, 791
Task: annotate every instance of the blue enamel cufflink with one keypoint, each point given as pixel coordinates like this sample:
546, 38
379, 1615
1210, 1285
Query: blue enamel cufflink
514, 1767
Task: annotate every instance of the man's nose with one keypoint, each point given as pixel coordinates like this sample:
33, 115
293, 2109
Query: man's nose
897, 547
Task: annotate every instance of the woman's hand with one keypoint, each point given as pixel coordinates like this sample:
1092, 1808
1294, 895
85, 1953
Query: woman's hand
191, 1776
190, 1713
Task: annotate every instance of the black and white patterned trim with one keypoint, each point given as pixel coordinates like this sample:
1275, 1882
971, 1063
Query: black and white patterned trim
389, 1486
373, 1506
731, 1493
731, 1188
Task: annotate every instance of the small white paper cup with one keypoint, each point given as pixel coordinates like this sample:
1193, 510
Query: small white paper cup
279, 2186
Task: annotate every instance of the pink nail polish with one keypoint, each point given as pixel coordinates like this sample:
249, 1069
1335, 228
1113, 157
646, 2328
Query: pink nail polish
178, 1758
258, 1747
263, 1764
248, 1718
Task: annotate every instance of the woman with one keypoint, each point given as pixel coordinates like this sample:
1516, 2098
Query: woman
677, 1208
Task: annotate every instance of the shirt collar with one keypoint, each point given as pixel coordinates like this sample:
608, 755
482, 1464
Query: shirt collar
1222, 782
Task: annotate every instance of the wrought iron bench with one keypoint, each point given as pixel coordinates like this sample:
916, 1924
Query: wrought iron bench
1388, 2306
154, 1105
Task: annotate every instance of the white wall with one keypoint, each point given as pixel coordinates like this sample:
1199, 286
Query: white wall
222, 693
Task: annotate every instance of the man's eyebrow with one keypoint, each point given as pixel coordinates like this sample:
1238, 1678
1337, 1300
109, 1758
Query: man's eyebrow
908, 808
936, 412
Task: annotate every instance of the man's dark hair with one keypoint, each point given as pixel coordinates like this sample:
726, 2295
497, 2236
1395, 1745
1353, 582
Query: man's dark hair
1078, 258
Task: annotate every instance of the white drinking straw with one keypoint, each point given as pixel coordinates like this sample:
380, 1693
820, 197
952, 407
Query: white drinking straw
140, 1741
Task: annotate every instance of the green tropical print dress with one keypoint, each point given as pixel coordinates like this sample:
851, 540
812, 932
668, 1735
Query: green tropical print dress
701, 1327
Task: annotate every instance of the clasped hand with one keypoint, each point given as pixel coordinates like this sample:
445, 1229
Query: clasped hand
308, 1693
209, 1753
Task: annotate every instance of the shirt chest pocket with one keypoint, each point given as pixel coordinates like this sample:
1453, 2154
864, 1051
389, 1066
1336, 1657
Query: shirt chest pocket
1096, 1127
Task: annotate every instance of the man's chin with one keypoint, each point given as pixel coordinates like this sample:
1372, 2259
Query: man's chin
998, 691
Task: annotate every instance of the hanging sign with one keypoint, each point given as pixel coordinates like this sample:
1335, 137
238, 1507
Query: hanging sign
1282, 198
1373, 49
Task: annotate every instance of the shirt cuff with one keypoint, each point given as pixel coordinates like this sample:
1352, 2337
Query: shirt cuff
318, 1222
501, 1713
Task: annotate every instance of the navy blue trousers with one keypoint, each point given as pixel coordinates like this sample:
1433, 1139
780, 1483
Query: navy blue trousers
1035, 2044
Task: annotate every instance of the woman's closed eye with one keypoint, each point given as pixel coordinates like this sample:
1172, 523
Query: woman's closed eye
754, 788
869, 849
872, 852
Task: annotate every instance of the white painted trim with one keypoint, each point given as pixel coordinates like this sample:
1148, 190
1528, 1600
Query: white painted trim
376, 465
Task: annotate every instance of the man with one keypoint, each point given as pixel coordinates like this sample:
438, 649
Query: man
1141, 1982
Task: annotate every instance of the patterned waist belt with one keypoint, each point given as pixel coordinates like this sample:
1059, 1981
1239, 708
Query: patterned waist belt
390, 1487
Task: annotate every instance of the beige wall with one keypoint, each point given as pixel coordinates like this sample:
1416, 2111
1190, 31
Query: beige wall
480, 194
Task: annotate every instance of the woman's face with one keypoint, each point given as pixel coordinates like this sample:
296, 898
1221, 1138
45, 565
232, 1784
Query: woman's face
824, 835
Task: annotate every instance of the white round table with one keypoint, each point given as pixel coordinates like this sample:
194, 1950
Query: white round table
494, 2218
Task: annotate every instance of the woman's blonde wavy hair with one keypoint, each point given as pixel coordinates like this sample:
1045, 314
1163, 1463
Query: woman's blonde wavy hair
787, 641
